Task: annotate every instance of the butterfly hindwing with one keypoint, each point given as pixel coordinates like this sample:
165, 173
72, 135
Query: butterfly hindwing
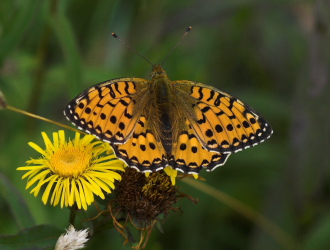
221, 122
142, 151
107, 110
189, 156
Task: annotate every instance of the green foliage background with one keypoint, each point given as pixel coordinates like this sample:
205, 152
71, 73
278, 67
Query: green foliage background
272, 54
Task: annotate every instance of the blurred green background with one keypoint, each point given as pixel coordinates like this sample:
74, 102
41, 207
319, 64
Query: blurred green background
272, 54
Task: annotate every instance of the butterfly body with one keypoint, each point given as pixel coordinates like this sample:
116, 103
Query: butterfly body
164, 113
157, 123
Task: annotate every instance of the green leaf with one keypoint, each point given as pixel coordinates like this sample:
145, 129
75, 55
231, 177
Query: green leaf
39, 237
63, 31
319, 236
14, 29
16, 203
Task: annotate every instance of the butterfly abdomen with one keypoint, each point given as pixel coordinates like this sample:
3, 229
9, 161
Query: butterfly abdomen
166, 137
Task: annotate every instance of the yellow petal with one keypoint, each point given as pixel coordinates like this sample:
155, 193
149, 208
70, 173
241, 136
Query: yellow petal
75, 195
87, 139
30, 174
66, 193
102, 185
48, 142
65, 185
61, 135
77, 139
30, 168
56, 192
95, 188
105, 158
41, 175
172, 173
82, 196
46, 193
36, 189
88, 193
37, 148
55, 140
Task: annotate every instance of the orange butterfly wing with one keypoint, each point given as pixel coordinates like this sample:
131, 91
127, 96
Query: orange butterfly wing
221, 122
142, 151
108, 110
189, 156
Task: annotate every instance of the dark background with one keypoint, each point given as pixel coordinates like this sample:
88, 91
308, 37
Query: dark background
274, 55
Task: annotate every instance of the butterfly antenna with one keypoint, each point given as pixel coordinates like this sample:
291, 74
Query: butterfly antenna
177, 44
130, 48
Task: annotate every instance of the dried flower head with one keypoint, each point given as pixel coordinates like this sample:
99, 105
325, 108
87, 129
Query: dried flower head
72, 239
141, 201
144, 198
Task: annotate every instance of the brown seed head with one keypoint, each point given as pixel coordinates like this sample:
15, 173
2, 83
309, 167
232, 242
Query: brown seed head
144, 198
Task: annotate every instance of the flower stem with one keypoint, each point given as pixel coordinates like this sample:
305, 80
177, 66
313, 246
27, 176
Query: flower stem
42, 118
73, 213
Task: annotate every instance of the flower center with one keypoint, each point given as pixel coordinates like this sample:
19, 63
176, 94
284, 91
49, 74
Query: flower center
71, 161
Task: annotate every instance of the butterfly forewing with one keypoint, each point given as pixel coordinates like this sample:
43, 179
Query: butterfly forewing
221, 122
107, 110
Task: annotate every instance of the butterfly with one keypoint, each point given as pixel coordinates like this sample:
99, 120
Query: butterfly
156, 123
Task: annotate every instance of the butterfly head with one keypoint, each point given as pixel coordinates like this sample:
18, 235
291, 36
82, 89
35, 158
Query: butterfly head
158, 72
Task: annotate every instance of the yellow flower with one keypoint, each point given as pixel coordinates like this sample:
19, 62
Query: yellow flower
172, 173
74, 171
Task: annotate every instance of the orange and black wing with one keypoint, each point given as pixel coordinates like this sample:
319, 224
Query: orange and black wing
108, 110
189, 156
142, 151
221, 122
